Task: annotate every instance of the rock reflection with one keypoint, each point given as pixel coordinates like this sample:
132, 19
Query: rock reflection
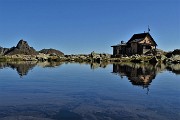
138, 74
175, 68
49, 64
22, 68
96, 65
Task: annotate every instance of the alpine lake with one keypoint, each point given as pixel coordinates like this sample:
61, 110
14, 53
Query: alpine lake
89, 91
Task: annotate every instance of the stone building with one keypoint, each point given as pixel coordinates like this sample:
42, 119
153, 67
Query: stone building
138, 44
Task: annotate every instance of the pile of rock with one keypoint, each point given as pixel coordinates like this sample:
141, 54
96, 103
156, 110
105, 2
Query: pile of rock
173, 57
98, 57
168, 58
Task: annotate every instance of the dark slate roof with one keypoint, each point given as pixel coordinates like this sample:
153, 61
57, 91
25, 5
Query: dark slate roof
139, 37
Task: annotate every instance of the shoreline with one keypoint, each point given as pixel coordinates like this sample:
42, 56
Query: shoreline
93, 57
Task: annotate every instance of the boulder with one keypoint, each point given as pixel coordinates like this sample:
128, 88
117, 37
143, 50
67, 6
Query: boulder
176, 52
175, 58
161, 57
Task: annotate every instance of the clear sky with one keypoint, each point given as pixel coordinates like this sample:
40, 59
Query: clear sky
83, 26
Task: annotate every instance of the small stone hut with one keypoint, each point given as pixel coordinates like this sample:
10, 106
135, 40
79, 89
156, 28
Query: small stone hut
138, 44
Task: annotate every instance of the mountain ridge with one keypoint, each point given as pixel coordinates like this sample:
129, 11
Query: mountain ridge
23, 48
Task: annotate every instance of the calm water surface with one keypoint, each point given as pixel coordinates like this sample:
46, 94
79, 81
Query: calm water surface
72, 91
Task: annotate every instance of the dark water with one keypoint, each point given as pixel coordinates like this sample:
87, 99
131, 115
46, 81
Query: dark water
72, 91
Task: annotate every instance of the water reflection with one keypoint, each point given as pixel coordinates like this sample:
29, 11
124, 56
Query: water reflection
138, 74
49, 64
175, 68
89, 94
22, 68
95, 65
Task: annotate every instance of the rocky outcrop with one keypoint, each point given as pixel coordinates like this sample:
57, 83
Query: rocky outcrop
21, 48
176, 52
98, 57
161, 57
24, 52
173, 57
52, 52
3, 50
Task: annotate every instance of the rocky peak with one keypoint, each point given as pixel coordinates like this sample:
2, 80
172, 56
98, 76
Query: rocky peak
22, 44
22, 48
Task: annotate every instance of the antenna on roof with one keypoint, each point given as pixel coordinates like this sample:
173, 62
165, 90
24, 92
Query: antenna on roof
148, 29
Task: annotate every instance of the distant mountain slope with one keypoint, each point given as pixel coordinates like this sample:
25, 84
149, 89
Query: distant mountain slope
52, 51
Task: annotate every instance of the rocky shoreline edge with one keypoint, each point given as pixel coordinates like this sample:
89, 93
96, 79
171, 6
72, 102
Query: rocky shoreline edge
95, 57
23, 52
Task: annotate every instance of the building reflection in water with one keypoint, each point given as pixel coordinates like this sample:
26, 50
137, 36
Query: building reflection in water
138, 74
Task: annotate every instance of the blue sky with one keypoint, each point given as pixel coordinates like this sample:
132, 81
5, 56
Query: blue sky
83, 26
